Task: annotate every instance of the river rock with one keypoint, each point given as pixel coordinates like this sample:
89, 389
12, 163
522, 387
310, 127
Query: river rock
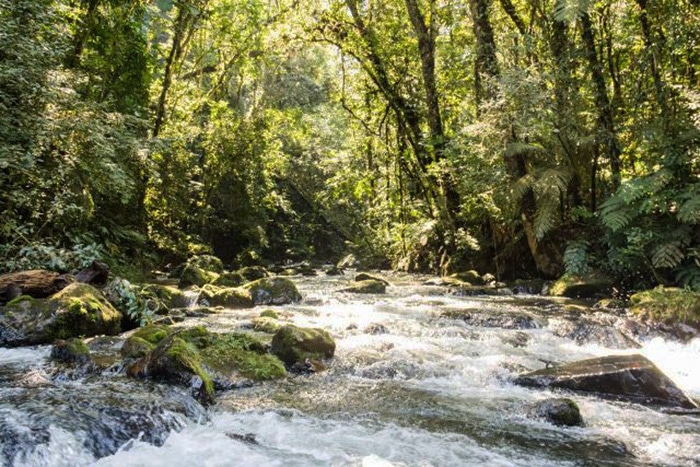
77, 310
228, 297
273, 291
72, 351
253, 273
366, 287
600, 330
229, 279
492, 318
363, 276
473, 277
293, 344
96, 274
668, 305
193, 275
558, 411
625, 377
573, 286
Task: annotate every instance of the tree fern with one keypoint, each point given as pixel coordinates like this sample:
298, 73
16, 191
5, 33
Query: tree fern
615, 213
667, 255
576, 257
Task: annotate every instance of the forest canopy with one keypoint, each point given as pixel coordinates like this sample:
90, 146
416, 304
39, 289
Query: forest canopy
519, 137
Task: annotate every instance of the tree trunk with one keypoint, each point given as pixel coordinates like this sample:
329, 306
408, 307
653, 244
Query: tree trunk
486, 64
606, 125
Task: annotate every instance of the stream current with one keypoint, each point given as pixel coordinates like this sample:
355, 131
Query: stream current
412, 383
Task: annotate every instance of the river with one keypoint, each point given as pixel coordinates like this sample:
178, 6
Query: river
413, 382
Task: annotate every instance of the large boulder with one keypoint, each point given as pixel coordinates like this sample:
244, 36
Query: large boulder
293, 344
228, 297
229, 279
574, 286
207, 262
253, 273
625, 377
194, 275
77, 310
205, 361
667, 304
273, 291
369, 286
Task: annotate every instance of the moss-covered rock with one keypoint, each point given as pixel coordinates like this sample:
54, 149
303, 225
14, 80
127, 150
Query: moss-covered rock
473, 277
668, 305
253, 273
266, 325
229, 279
71, 351
207, 262
78, 310
169, 297
363, 276
269, 314
228, 297
367, 287
273, 291
294, 344
558, 411
234, 354
136, 347
573, 286
193, 275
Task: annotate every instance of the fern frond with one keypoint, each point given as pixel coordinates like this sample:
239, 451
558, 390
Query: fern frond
522, 186
546, 216
689, 275
615, 213
689, 211
667, 255
576, 257
553, 182
569, 10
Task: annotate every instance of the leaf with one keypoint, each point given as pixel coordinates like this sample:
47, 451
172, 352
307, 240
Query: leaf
667, 255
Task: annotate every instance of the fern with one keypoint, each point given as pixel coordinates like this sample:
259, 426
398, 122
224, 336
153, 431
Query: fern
576, 258
546, 217
689, 275
689, 211
615, 213
667, 255
569, 10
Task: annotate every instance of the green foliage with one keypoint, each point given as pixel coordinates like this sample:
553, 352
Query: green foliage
137, 303
576, 258
667, 305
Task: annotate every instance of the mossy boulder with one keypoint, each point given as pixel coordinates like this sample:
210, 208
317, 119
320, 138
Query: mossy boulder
266, 325
229, 279
668, 305
473, 277
273, 291
367, 287
205, 361
207, 262
71, 351
193, 275
77, 310
228, 297
269, 314
363, 276
557, 411
230, 355
574, 286
253, 273
293, 344
140, 343
169, 297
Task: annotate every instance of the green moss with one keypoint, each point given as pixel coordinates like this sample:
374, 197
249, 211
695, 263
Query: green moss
207, 262
229, 279
183, 357
70, 351
473, 277
269, 314
265, 324
244, 354
153, 333
197, 336
192, 275
229, 297
21, 299
667, 304
367, 287
294, 344
573, 286
136, 347
273, 291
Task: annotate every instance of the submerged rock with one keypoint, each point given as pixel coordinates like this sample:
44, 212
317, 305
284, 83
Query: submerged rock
367, 287
77, 310
559, 411
293, 344
273, 291
625, 377
596, 328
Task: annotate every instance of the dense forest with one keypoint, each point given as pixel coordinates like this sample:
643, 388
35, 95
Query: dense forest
518, 137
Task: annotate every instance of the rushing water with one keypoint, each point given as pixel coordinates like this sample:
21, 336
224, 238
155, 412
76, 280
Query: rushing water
408, 386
